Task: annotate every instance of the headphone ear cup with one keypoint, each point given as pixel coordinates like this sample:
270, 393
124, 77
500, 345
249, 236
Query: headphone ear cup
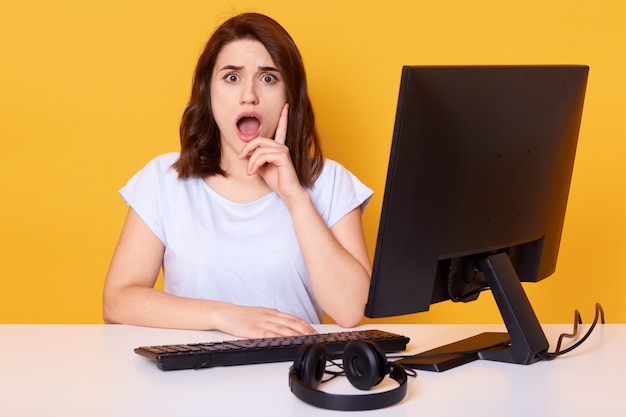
310, 363
364, 363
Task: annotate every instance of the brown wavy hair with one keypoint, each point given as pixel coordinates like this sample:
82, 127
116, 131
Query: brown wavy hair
199, 135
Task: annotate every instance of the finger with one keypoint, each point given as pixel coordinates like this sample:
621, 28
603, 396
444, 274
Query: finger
248, 149
256, 157
251, 147
255, 144
300, 326
281, 130
289, 324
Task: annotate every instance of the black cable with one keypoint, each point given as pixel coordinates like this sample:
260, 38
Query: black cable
577, 320
452, 271
558, 352
334, 374
468, 295
543, 355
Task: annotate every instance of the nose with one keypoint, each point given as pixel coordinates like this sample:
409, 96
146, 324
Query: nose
249, 94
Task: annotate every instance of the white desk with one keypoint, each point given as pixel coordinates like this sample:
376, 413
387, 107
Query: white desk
91, 370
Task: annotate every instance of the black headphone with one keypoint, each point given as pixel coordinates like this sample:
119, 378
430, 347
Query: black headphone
365, 365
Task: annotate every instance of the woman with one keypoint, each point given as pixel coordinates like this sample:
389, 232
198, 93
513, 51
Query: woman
257, 234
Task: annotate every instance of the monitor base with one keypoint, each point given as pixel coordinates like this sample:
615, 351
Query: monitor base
458, 353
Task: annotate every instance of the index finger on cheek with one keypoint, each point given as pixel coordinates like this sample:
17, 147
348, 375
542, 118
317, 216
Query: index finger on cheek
281, 130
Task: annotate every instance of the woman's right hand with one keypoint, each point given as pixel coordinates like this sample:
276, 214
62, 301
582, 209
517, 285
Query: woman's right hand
257, 322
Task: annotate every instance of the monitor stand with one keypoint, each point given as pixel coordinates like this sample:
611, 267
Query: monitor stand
521, 345
457, 353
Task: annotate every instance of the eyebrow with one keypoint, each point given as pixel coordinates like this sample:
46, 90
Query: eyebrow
239, 68
269, 69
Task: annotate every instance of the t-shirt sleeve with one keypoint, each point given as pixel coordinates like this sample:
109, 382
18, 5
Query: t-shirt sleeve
337, 192
143, 192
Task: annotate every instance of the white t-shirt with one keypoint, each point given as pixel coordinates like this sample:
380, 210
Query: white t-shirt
246, 254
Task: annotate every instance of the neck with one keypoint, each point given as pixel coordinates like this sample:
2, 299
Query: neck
238, 187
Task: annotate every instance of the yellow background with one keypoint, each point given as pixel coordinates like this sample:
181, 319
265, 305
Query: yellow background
91, 90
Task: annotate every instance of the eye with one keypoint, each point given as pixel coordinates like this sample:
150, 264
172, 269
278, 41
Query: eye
269, 78
231, 77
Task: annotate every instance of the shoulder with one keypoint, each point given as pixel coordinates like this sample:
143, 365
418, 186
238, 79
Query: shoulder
338, 191
157, 177
163, 163
330, 171
159, 167
335, 175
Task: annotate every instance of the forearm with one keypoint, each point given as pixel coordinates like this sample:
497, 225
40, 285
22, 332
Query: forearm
145, 306
339, 271
149, 307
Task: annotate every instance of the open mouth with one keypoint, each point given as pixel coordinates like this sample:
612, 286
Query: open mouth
248, 126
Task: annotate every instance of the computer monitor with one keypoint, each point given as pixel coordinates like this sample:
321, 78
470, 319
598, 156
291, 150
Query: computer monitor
477, 186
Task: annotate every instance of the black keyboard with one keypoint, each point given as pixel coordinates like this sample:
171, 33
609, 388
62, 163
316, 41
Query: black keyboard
253, 351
